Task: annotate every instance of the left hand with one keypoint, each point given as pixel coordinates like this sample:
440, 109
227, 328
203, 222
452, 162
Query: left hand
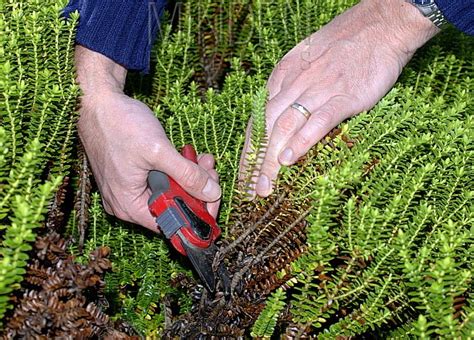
124, 142
341, 70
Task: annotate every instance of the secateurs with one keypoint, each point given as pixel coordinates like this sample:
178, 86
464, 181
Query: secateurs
185, 221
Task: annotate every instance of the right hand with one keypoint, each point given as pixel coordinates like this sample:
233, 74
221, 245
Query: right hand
344, 68
124, 141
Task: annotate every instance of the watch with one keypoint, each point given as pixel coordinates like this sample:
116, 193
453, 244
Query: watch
430, 10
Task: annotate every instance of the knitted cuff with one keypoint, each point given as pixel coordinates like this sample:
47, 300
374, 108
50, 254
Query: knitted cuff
122, 30
459, 13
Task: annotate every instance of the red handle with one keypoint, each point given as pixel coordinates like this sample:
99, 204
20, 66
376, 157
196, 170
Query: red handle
189, 153
175, 210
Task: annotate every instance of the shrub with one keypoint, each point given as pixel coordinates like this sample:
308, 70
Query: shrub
38, 97
370, 234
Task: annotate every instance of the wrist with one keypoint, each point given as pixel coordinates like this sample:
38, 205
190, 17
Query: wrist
405, 27
97, 74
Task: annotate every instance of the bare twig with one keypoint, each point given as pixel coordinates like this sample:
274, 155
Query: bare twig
259, 257
83, 197
221, 253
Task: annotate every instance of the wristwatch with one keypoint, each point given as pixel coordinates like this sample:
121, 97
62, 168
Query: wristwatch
430, 10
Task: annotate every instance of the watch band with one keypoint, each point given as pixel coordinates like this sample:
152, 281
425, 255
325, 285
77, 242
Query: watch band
431, 11
437, 18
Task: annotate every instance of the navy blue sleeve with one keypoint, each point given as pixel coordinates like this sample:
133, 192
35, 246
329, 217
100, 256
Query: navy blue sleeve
460, 13
123, 30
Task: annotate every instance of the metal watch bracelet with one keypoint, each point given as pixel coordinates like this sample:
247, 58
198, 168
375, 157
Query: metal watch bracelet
431, 11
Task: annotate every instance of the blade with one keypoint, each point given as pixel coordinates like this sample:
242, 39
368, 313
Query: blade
202, 261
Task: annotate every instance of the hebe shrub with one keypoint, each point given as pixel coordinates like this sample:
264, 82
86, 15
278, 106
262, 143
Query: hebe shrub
387, 246
37, 114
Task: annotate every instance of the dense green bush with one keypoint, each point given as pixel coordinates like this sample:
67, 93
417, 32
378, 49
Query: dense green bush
391, 218
397, 208
37, 104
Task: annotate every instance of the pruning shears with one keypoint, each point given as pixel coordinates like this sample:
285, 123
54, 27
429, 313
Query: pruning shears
185, 221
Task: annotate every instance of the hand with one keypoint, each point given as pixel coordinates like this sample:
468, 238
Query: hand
341, 70
124, 141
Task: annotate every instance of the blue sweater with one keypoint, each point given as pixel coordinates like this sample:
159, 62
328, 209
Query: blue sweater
124, 30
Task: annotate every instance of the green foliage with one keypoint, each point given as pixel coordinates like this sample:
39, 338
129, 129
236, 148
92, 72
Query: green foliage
389, 238
257, 141
400, 228
139, 283
149, 275
266, 322
37, 100
200, 123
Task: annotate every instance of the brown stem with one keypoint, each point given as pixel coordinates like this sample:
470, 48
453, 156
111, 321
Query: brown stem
259, 257
221, 253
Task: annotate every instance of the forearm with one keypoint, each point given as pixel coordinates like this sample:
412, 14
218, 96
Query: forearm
97, 74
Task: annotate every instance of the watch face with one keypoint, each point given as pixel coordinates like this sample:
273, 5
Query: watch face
423, 2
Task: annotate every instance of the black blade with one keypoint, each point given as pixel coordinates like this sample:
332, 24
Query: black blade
202, 261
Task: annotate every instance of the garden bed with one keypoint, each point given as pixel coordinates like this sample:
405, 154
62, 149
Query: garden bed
369, 235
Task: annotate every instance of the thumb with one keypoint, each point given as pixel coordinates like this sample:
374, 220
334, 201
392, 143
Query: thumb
191, 177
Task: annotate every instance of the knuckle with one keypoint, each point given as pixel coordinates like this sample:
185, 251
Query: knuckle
155, 149
107, 207
304, 141
191, 178
274, 83
116, 209
286, 123
271, 109
334, 110
270, 168
330, 109
282, 65
214, 174
325, 117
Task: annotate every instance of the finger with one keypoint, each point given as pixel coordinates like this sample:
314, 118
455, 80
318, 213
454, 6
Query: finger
273, 110
279, 73
276, 104
274, 107
319, 124
290, 121
192, 177
141, 214
213, 207
281, 103
207, 161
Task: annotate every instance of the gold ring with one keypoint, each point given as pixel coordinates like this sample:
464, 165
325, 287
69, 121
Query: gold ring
304, 111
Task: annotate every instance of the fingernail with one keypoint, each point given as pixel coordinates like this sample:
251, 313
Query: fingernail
263, 184
211, 190
286, 157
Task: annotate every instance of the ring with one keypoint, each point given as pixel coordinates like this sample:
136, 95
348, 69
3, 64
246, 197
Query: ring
304, 111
